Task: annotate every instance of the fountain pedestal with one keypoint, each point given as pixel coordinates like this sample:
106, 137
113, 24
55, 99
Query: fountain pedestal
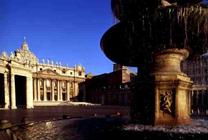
162, 98
172, 99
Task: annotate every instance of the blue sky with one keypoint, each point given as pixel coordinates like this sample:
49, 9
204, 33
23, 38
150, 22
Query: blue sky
67, 31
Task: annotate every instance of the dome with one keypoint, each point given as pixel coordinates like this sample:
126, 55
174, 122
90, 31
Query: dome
79, 68
25, 46
24, 55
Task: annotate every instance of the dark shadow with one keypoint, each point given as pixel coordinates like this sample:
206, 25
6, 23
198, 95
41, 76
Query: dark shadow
2, 99
95, 128
64, 96
110, 128
49, 96
20, 86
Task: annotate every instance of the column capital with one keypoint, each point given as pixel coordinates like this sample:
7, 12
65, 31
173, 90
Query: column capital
12, 74
6, 71
29, 78
5, 74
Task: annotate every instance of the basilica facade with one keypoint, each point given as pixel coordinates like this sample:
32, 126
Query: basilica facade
25, 82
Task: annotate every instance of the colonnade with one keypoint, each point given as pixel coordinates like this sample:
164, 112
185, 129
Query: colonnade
10, 91
199, 102
54, 89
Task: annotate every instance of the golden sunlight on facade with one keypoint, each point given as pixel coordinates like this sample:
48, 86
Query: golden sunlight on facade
24, 82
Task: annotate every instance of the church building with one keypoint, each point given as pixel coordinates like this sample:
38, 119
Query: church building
25, 82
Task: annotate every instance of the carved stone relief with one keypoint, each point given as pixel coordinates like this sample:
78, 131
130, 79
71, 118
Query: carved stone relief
167, 101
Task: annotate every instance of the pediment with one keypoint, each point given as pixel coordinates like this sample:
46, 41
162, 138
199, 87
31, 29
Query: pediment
48, 72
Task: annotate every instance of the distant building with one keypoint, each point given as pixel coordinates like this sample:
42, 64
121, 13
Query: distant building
108, 89
25, 82
197, 69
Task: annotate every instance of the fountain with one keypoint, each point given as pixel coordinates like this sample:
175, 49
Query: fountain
156, 36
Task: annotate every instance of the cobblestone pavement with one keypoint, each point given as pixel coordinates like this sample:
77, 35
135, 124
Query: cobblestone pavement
93, 128
92, 123
49, 113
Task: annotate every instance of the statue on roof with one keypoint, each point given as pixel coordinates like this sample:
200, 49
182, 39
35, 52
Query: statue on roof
25, 45
4, 55
24, 55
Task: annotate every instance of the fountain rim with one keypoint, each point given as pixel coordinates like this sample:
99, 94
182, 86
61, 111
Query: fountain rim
108, 49
120, 15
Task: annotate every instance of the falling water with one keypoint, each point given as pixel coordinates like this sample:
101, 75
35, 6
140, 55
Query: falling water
195, 20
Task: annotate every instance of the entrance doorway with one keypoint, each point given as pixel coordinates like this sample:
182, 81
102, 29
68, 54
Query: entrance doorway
64, 96
48, 96
20, 85
2, 99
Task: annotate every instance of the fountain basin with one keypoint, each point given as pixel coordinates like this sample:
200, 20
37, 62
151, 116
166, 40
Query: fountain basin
132, 42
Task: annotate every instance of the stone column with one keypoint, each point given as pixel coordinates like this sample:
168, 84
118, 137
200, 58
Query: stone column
52, 89
192, 103
60, 86
44, 90
192, 97
197, 102
29, 93
35, 89
76, 89
13, 96
202, 99
58, 90
72, 89
127, 94
38, 89
189, 101
102, 99
68, 91
6, 91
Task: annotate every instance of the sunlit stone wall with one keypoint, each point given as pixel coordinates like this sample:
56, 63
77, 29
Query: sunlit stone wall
26, 82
